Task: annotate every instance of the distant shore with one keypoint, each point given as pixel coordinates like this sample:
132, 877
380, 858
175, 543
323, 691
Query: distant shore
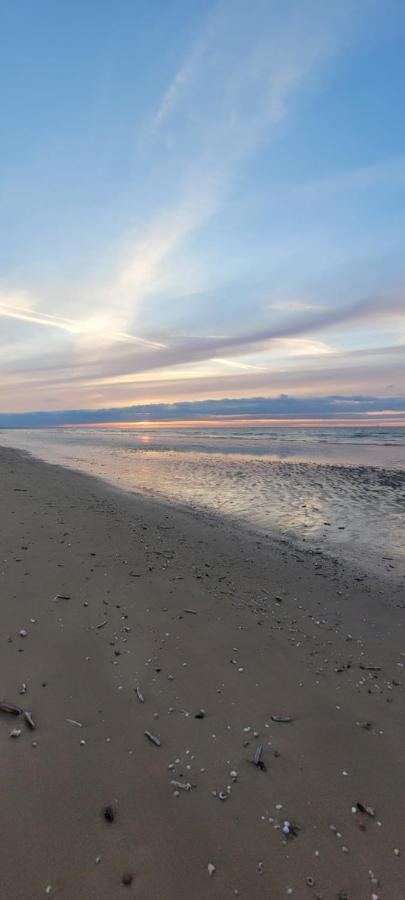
223, 633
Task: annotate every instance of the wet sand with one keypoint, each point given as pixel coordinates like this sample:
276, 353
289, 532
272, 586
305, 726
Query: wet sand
273, 631
337, 509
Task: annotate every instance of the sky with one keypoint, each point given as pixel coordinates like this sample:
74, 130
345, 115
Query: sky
201, 201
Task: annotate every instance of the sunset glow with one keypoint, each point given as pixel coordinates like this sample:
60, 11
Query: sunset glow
246, 423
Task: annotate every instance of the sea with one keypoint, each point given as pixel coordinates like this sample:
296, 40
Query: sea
337, 490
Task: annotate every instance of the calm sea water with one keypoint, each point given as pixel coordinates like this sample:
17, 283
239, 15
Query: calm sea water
338, 489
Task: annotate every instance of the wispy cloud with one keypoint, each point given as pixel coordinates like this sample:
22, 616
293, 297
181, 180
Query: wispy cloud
94, 326
236, 85
247, 70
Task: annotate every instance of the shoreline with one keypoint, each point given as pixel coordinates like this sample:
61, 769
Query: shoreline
364, 561
275, 630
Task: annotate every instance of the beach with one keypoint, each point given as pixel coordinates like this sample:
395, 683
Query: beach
236, 641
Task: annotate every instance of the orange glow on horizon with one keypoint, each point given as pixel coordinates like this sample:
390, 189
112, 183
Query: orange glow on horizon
245, 423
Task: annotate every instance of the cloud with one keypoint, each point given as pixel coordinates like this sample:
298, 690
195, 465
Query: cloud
389, 174
247, 69
97, 327
226, 98
332, 407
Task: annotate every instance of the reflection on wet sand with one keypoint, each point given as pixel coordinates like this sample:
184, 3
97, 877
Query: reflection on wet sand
353, 510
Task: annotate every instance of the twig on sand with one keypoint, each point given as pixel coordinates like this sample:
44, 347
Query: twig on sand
151, 737
29, 720
182, 785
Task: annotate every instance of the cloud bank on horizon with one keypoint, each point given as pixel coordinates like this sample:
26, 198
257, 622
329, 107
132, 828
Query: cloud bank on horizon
202, 200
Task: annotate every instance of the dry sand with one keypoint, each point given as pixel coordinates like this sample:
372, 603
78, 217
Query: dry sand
274, 631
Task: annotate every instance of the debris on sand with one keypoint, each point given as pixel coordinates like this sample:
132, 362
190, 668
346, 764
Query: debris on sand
139, 695
211, 868
73, 722
10, 708
182, 785
101, 624
154, 740
23, 688
284, 719
257, 759
29, 720
15, 733
200, 714
366, 810
290, 829
192, 612
23, 632
109, 814
62, 597
127, 878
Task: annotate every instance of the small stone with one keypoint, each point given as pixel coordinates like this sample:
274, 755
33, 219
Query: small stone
127, 878
397, 852
211, 869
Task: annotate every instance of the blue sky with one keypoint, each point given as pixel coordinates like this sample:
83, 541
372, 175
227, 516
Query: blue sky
201, 200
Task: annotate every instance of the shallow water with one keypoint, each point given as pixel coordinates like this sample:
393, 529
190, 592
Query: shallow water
340, 490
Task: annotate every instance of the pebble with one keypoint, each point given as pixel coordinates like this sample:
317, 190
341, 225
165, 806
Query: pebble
211, 868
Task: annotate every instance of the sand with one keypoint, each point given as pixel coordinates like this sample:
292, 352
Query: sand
275, 631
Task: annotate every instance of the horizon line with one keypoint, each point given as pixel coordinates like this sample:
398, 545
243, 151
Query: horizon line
242, 422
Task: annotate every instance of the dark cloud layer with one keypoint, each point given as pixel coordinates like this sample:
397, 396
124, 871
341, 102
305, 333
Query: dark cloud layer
283, 407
